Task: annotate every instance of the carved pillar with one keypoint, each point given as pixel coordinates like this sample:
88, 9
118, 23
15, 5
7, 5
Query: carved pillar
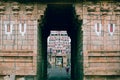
42, 44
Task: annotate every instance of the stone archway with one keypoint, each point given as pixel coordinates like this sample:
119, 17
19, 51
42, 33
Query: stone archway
72, 25
20, 50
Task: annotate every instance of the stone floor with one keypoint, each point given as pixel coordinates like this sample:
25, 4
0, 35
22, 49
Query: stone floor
57, 73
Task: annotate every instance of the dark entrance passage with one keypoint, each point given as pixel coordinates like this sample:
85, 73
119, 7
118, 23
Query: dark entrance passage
60, 17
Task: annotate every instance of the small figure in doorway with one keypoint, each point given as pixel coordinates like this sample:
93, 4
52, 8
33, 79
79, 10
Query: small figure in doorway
67, 69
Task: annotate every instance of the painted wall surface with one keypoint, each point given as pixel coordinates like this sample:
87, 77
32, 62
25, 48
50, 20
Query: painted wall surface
18, 38
101, 40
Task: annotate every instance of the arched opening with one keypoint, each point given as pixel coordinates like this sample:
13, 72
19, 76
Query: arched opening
60, 17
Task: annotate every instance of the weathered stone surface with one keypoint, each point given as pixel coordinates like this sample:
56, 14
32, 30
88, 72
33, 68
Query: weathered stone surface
100, 52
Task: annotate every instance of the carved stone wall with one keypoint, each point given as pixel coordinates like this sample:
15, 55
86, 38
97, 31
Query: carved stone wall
101, 39
18, 38
101, 43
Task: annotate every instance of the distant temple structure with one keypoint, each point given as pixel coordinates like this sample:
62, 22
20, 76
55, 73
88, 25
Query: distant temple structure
59, 49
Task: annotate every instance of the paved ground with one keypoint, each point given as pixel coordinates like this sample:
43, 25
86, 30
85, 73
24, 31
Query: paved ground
58, 73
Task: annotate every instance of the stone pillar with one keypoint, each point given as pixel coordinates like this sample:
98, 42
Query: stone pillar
18, 42
98, 48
